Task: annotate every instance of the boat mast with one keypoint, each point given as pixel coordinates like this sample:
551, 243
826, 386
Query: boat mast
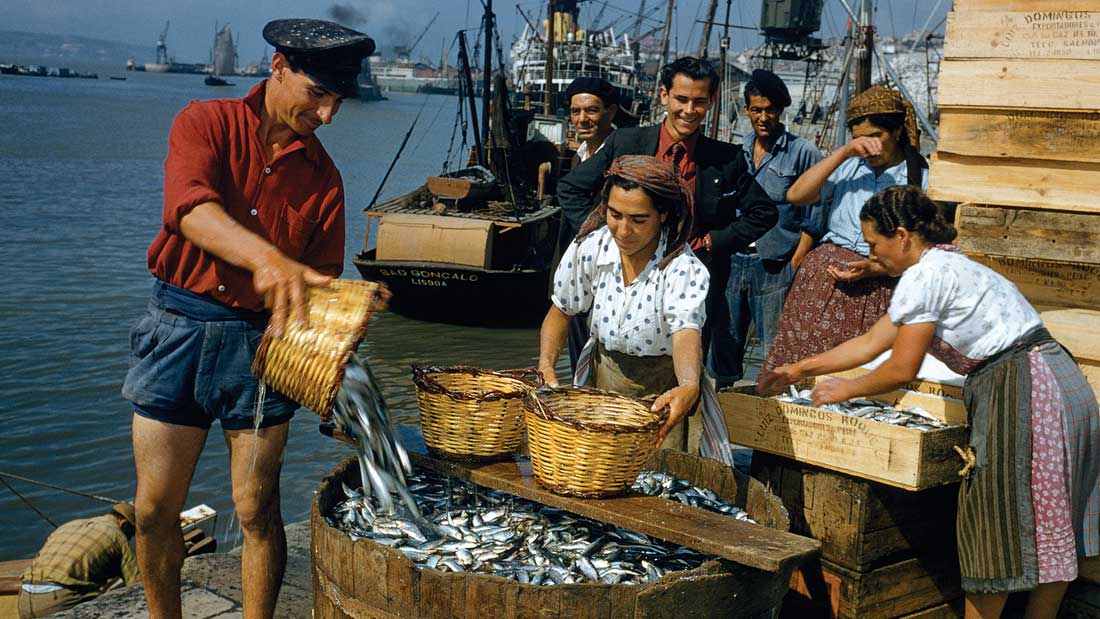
549, 73
866, 47
664, 57
716, 114
465, 60
704, 41
486, 75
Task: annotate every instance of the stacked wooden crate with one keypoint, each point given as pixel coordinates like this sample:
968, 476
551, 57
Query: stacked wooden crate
1019, 148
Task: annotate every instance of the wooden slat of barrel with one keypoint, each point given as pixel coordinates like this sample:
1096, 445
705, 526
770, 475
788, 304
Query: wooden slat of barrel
744, 543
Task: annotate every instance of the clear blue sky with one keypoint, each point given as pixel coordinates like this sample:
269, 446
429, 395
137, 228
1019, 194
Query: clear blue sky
388, 21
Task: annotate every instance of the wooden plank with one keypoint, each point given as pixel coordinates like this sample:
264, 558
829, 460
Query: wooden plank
741, 542
1032, 34
1092, 374
1020, 84
1030, 234
895, 455
1021, 134
1024, 5
1055, 185
1076, 329
1045, 282
948, 610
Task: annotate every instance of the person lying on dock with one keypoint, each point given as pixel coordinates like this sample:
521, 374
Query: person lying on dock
253, 213
80, 560
631, 268
1029, 503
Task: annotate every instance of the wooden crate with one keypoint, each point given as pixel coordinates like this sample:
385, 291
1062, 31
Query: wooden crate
912, 588
1077, 329
1029, 233
861, 524
882, 452
1025, 5
1048, 282
1020, 134
1027, 34
1020, 84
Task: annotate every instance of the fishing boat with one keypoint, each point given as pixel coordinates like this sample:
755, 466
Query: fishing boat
223, 58
475, 245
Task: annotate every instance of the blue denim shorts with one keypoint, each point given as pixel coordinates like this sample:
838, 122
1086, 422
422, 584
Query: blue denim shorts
191, 363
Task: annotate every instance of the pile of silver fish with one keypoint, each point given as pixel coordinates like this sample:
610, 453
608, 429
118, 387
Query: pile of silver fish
468, 528
913, 417
361, 413
666, 486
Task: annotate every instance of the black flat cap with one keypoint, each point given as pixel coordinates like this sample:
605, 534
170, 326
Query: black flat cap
771, 86
327, 52
593, 86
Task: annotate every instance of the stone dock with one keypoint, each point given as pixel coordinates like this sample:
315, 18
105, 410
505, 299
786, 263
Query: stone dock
212, 587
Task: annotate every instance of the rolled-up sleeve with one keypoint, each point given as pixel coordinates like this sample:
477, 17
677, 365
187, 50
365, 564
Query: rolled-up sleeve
191, 171
685, 295
573, 279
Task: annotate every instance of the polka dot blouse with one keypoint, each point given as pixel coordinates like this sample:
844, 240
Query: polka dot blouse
638, 319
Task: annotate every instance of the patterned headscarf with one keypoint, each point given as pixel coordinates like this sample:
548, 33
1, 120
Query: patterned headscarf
882, 100
661, 179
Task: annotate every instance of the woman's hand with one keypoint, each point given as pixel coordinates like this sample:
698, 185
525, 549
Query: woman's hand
854, 272
771, 382
863, 147
833, 390
549, 376
679, 401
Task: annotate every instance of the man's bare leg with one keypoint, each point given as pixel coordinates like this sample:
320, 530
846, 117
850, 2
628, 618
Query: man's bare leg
164, 459
256, 498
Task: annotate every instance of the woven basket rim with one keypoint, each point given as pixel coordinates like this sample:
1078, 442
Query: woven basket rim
423, 379
533, 402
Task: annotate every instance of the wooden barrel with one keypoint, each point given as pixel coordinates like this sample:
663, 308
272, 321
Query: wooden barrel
365, 580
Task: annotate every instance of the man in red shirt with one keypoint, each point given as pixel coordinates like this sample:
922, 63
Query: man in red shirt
253, 213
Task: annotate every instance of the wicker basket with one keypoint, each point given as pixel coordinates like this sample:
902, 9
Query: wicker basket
472, 414
307, 363
589, 443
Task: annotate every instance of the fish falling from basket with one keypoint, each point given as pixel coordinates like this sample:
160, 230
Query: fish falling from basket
589, 443
472, 414
315, 365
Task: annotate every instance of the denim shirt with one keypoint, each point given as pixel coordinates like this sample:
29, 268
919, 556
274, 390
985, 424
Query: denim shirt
789, 157
836, 218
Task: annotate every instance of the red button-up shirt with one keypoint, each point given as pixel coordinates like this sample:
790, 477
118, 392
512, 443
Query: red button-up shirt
666, 151
295, 201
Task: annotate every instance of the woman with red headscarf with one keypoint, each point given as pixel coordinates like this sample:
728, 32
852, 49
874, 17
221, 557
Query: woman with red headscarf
645, 292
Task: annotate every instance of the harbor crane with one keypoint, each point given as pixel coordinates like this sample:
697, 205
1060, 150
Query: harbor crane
162, 45
407, 51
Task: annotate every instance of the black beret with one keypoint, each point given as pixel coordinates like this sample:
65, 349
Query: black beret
327, 52
771, 86
593, 86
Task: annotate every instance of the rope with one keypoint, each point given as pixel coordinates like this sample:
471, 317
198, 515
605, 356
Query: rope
28, 503
95, 497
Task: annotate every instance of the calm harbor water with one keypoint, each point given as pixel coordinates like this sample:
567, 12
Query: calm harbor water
82, 164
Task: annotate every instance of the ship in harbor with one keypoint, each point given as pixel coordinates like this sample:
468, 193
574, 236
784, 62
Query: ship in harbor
223, 58
576, 53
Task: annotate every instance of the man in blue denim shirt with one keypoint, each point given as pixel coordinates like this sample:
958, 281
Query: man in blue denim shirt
760, 276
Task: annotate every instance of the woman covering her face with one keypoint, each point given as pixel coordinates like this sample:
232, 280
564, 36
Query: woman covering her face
837, 293
1031, 504
644, 289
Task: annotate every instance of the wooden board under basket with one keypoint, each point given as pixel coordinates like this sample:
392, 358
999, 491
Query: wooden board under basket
894, 455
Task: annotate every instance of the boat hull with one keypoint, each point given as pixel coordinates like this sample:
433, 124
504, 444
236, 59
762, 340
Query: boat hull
460, 294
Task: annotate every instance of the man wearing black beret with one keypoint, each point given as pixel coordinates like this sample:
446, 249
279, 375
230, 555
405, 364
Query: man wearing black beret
731, 209
593, 103
761, 273
253, 213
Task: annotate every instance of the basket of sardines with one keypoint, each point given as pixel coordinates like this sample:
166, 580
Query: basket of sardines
470, 413
307, 362
589, 443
